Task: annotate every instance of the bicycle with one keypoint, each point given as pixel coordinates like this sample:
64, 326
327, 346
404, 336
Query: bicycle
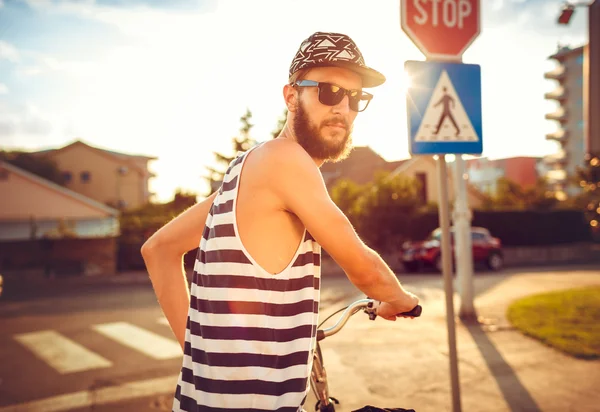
318, 378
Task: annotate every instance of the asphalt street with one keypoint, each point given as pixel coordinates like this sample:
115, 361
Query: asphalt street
103, 345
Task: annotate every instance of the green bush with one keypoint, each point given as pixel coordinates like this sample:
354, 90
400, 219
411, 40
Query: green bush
138, 225
524, 228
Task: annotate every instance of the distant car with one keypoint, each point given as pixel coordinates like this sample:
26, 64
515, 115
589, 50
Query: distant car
486, 249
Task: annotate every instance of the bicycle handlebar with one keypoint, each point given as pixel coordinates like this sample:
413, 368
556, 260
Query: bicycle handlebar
369, 306
416, 312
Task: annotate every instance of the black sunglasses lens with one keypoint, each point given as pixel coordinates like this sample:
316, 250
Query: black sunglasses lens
330, 94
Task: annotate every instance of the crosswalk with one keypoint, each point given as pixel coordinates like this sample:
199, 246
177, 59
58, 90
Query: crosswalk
66, 356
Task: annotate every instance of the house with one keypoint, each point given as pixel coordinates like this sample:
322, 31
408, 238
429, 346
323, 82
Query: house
363, 163
523, 170
47, 227
116, 179
360, 166
424, 169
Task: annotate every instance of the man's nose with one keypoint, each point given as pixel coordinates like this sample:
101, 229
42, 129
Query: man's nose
343, 106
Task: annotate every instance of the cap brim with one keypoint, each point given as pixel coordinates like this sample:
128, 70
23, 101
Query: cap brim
370, 77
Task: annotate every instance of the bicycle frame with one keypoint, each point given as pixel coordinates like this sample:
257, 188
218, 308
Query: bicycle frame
318, 378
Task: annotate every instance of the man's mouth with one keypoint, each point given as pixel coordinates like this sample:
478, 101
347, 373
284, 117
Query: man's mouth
338, 125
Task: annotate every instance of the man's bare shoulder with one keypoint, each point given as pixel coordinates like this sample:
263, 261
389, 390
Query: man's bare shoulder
284, 155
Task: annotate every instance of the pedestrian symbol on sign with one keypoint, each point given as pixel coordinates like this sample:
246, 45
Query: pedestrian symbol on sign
446, 100
445, 119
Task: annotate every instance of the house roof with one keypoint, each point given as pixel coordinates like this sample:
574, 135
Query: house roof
130, 159
359, 166
487, 159
58, 188
111, 152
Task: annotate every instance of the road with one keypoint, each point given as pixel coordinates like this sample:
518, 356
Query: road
82, 344
107, 347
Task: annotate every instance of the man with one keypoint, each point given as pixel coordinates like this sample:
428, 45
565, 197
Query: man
248, 329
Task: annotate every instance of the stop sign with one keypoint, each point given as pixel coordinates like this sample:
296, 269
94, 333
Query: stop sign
441, 29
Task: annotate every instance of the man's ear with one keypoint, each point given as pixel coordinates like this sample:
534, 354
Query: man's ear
290, 96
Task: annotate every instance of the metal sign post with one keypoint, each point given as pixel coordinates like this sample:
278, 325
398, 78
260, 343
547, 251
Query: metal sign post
444, 215
444, 117
461, 217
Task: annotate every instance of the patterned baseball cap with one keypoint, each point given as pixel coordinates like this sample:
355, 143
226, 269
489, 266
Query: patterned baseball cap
334, 49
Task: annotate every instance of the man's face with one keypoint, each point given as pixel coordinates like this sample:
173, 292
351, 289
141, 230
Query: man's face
324, 131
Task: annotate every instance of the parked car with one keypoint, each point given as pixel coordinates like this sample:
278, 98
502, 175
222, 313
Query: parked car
486, 249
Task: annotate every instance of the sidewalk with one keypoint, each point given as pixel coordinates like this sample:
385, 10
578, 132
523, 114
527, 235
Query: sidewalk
32, 286
500, 369
36, 286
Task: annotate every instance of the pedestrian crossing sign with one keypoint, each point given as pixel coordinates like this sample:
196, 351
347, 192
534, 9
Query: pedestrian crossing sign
444, 108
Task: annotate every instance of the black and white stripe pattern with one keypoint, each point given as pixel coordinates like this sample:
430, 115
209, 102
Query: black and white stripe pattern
250, 334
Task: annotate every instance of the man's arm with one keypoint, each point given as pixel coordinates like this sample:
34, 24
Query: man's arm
163, 254
298, 183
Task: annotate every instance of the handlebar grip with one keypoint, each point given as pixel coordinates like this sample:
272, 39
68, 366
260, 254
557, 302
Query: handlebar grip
416, 312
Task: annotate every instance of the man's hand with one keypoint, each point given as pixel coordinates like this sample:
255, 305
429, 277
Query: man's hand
390, 310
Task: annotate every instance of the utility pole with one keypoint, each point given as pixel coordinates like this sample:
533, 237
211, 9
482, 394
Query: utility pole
462, 216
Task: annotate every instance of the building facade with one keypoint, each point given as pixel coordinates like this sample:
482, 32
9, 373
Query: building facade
45, 226
523, 170
569, 118
112, 178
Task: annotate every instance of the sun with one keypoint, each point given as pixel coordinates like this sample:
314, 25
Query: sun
405, 82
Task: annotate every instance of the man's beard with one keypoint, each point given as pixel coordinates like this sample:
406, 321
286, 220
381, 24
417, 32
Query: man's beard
310, 138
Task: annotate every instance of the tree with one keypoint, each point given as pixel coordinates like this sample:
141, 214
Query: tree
381, 209
138, 225
36, 164
182, 200
240, 143
512, 196
345, 194
280, 124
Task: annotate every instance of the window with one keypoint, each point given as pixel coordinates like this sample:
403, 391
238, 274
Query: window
422, 179
67, 177
477, 236
85, 176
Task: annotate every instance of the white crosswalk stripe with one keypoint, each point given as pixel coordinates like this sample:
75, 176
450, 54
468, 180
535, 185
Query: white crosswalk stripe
60, 352
67, 356
149, 343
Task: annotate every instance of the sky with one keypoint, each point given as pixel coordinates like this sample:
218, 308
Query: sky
171, 79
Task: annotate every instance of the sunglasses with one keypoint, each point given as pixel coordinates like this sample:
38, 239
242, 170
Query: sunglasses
332, 94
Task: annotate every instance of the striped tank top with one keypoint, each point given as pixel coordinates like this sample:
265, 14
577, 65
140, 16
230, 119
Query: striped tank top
250, 334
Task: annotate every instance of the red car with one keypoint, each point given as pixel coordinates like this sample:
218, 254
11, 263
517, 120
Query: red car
486, 249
